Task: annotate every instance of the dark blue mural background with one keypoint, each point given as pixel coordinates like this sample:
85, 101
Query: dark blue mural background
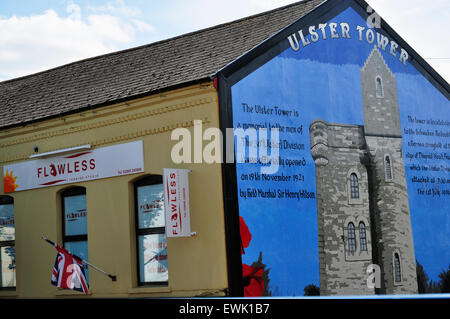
323, 81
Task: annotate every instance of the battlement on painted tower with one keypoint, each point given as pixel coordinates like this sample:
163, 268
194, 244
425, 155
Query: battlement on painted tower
324, 135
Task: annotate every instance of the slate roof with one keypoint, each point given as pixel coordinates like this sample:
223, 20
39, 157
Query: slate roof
139, 71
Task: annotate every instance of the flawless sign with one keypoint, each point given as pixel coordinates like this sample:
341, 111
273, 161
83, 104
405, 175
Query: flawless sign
176, 196
99, 163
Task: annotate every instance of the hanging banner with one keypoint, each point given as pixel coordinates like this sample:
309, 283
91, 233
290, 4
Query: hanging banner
176, 202
117, 160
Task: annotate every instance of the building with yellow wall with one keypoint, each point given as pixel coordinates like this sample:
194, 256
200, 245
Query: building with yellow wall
110, 201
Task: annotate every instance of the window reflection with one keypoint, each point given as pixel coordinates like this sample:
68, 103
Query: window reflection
7, 243
150, 231
153, 254
151, 206
75, 237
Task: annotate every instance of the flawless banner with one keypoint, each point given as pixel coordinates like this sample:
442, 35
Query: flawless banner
176, 195
122, 159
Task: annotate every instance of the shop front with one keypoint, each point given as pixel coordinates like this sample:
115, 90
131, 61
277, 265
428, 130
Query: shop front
94, 185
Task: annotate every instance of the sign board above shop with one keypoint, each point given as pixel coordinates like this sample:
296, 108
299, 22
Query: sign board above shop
110, 161
176, 202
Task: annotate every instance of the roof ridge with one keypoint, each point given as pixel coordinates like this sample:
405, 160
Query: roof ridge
157, 42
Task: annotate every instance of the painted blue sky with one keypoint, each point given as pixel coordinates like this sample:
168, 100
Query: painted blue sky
41, 34
323, 81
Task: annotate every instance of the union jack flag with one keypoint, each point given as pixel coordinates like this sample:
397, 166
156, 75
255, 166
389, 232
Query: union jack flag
68, 272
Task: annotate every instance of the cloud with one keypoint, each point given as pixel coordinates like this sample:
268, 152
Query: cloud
120, 9
198, 14
117, 7
75, 10
266, 5
422, 26
142, 26
34, 43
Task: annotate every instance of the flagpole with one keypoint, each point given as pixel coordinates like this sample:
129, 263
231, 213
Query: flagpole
113, 278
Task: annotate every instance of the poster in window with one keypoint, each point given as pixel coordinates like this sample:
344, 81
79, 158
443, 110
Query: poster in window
7, 229
153, 266
75, 215
150, 206
8, 266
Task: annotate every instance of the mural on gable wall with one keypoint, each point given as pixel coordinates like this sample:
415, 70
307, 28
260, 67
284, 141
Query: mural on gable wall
361, 197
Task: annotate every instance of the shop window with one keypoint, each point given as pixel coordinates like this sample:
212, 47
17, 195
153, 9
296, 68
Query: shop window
362, 236
7, 243
150, 231
75, 238
354, 186
351, 237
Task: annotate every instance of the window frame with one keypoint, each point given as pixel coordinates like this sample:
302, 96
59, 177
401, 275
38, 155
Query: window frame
360, 191
73, 191
351, 240
354, 186
146, 181
379, 88
8, 200
362, 239
388, 168
397, 269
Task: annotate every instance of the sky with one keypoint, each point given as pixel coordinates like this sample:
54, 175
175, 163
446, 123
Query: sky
41, 34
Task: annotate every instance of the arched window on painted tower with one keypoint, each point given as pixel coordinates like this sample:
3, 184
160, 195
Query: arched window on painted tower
351, 237
379, 85
397, 270
354, 186
362, 236
388, 167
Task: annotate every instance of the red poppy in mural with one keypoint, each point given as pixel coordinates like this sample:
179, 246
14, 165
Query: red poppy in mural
253, 282
246, 237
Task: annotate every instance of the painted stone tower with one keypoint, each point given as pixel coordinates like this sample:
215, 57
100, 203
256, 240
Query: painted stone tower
362, 200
